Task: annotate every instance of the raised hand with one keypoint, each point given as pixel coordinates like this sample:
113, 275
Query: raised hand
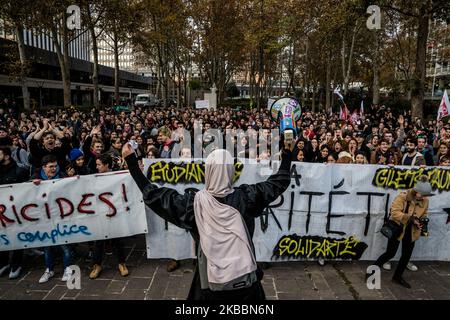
401, 121
46, 124
126, 150
96, 130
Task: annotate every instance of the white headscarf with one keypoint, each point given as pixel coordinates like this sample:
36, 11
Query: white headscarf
223, 237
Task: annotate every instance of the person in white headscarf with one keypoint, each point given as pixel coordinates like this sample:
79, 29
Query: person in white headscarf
220, 219
223, 237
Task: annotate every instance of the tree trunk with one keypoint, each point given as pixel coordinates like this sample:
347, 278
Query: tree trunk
313, 107
333, 80
23, 60
158, 84
66, 83
64, 61
185, 89
419, 74
95, 71
95, 54
327, 84
164, 76
116, 69
169, 89
305, 76
280, 89
260, 76
252, 77
344, 89
376, 72
178, 89
292, 68
346, 69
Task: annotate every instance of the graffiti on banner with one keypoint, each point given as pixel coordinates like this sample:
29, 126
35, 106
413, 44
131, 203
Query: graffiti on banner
70, 210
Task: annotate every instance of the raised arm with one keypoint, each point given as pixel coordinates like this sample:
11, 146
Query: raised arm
258, 196
87, 146
38, 135
167, 203
402, 135
58, 134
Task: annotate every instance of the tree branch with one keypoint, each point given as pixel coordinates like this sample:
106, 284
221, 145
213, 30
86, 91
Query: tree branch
406, 13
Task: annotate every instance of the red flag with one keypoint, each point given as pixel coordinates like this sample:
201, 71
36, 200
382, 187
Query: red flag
343, 113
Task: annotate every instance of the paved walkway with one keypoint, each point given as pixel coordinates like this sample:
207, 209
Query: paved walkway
149, 279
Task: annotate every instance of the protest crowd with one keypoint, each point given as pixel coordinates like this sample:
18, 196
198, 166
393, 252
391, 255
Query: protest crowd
52, 144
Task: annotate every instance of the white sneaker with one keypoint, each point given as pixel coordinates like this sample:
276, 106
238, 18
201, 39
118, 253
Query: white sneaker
14, 274
67, 273
411, 266
387, 266
3, 269
46, 276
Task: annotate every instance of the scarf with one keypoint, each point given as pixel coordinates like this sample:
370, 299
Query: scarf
44, 176
223, 237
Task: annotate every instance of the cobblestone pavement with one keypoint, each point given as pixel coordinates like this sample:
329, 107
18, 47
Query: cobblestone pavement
149, 279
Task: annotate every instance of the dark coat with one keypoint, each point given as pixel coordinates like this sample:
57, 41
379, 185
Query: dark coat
249, 200
38, 152
12, 173
89, 156
80, 171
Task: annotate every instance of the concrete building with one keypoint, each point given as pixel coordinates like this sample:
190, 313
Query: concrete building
438, 60
44, 75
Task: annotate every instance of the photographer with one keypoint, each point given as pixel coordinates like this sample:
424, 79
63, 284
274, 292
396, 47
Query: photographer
408, 210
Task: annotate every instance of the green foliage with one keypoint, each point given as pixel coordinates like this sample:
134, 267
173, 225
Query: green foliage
232, 90
195, 84
303, 44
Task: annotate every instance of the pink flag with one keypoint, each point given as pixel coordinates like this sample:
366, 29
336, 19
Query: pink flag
443, 107
354, 118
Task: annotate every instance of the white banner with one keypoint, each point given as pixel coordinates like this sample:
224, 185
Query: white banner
341, 220
69, 210
202, 104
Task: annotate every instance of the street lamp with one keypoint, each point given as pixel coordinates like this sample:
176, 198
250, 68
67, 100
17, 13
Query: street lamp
40, 85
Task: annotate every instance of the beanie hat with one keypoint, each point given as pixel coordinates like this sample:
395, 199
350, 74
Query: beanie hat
423, 186
75, 154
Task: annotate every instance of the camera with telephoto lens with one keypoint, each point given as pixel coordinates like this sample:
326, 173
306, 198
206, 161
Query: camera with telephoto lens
424, 223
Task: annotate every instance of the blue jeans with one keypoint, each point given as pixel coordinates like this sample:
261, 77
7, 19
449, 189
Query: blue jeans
49, 256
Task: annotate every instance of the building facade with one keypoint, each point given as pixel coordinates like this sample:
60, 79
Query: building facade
438, 59
44, 74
